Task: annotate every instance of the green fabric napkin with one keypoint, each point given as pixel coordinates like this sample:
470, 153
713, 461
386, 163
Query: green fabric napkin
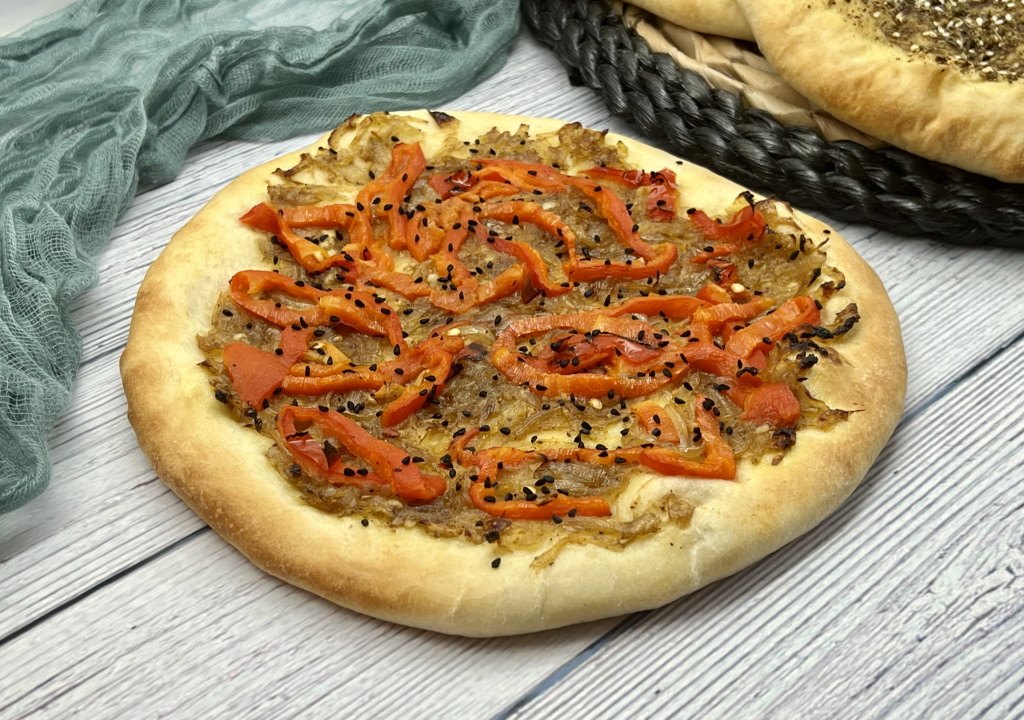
111, 94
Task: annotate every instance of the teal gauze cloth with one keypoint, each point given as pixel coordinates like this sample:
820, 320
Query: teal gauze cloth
109, 95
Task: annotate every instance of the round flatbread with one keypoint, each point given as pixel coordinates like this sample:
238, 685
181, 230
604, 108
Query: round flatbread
942, 80
716, 17
662, 535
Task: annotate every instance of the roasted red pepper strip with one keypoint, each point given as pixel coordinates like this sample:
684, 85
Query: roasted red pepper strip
447, 185
256, 373
491, 461
519, 371
261, 217
653, 416
437, 365
383, 196
307, 253
392, 464
560, 505
718, 463
793, 313
744, 230
243, 284
661, 201
672, 307
708, 320
592, 270
614, 211
500, 287
520, 211
714, 294
356, 309
534, 263
772, 404
310, 455
524, 176
709, 358
433, 355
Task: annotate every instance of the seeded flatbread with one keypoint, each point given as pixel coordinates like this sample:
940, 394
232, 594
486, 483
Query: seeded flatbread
716, 17
226, 466
942, 80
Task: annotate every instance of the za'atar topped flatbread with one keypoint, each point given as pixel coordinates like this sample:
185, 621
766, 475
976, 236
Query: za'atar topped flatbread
488, 374
944, 80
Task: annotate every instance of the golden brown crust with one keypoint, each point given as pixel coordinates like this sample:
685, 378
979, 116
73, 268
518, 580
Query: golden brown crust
219, 467
717, 17
913, 102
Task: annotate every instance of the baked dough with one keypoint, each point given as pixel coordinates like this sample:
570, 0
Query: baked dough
717, 17
221, 470
884, 75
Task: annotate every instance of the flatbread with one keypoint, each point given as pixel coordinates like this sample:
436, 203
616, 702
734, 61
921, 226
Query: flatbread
900, 74
221, 469
716, 17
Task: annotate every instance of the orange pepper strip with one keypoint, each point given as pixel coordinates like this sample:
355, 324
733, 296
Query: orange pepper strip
359, 379
246, 282
793, 313
261, 217
519, 371
438, 366
392, 464
709, 358
500, 287
306, 253
534, 264
310, 455
661, 201
488, 190
772, 404
480, 492
447, 185
708, 320
257, 373
673, 307
614, 211
524, 175
653, 416
592, 270
714, 294
407, 163
560, 505
336, 217
358, 310
718, 463
745, 229
725, 273
520, 211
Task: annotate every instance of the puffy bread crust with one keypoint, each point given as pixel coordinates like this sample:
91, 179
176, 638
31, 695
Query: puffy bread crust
219, 468
932, 110
717, 17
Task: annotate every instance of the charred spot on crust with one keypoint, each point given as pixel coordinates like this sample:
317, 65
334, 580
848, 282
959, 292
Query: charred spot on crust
442, 118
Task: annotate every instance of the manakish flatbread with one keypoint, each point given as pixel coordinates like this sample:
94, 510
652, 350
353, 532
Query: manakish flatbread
942, 79
478, 584
717, 17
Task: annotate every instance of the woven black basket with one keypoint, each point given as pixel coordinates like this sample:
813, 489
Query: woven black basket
890, 189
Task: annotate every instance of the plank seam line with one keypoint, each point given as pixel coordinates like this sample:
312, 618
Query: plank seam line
959, 380
563, 670
15, 634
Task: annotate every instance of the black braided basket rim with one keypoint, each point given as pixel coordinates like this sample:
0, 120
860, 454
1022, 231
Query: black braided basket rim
888, 188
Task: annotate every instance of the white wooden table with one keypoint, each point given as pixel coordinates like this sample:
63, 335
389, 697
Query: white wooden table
116, 601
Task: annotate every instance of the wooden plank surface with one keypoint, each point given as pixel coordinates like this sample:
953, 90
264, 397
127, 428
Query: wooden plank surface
907, 602
116, 599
